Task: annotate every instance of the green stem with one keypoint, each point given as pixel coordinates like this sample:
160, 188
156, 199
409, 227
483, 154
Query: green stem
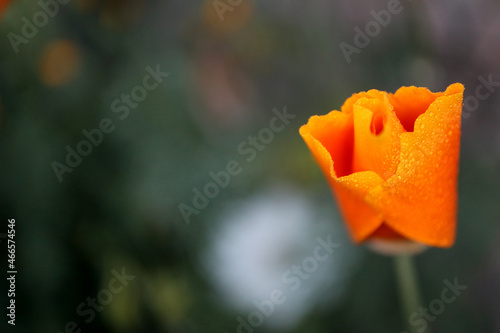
408, 289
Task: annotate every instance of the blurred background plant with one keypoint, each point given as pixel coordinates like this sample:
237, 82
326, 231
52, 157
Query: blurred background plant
230, 63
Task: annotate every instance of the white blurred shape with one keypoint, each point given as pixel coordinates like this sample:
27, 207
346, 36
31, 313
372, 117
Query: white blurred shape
260, 239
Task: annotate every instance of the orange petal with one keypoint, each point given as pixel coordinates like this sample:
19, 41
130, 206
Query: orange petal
376, 136
330, 138
351, 191
420, 200
411, 102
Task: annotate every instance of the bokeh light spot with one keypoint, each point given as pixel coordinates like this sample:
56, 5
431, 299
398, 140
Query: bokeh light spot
60, 63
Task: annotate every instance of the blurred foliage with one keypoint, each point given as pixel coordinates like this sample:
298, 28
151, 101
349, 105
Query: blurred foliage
120, 206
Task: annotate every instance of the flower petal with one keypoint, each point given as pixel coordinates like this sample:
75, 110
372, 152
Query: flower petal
351, 192
420, 200
411, 102
330, 138
376, 137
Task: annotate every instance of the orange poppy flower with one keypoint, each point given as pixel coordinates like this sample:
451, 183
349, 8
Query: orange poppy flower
392, 162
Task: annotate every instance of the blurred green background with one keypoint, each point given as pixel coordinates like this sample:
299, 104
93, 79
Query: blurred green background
66, 68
